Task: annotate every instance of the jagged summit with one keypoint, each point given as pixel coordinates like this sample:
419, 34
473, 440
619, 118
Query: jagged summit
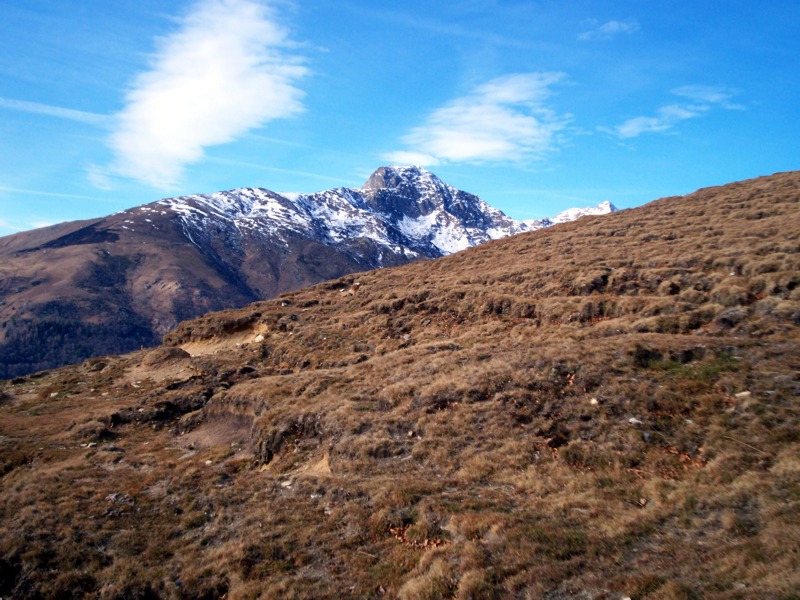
410, 190
399, 177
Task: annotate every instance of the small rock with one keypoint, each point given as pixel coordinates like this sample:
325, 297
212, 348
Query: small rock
594, 401
259, 338
286, 484
120, 498
743, 395
635, 421
209, 462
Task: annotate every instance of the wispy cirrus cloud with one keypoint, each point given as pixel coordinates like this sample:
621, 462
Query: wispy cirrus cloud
29, 192
24, 220
709, 95
505, 119
7, 227
698, 100
228, 68
271, 169
60, 112
595, 31
425, 22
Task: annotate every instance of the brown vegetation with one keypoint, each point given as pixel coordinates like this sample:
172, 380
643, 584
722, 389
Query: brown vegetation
606, 408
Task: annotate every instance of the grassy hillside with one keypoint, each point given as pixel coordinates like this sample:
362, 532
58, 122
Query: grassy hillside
602, 409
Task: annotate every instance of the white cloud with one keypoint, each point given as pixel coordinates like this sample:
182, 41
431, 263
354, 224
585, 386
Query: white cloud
707, 94
226, 70
271, 169
504, 119
406, 157
638, 125
40, 224
11, 228
55, 111
15, 190
608, 30
99, 177
702, 100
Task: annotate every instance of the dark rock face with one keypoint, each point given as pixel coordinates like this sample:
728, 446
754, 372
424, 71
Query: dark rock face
111, 285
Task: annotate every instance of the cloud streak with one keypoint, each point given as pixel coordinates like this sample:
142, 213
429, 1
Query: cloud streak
60, 112
227, 69
503, 120
15, 190
708, 95
608, 30
701, 100
424, 22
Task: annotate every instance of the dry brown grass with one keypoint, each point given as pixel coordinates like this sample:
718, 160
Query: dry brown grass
602, 409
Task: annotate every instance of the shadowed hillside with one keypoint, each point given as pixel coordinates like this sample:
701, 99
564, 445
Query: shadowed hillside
600, 409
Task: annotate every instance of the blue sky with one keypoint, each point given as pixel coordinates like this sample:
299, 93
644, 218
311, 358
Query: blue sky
534, 106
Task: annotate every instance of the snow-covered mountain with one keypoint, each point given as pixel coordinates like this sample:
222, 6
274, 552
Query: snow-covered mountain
571, 214
407, 212
113, 284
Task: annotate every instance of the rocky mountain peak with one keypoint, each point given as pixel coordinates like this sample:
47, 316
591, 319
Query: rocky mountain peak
402, 177
407, 191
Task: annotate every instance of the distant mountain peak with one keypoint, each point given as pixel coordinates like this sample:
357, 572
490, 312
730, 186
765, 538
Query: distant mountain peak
572, 214
407, 210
